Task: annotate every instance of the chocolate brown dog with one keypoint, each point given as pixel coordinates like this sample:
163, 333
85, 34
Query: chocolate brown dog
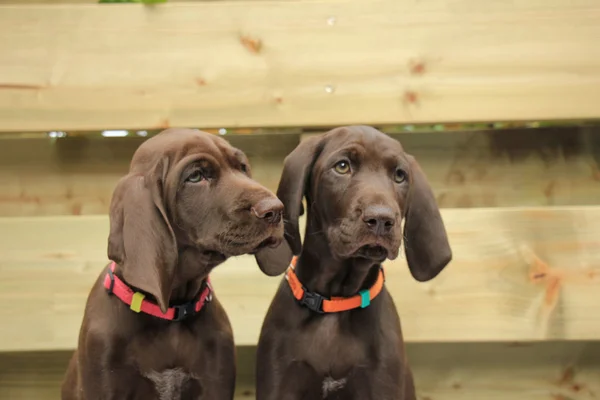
152, 329
332, 331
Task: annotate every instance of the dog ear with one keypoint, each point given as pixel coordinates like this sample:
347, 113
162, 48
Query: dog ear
425, 239
274, 261
141, 239
292, 187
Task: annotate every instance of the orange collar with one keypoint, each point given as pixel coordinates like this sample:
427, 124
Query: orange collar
321, 304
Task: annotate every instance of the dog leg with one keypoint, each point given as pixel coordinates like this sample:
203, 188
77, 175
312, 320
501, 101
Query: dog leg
222, 389
221, 385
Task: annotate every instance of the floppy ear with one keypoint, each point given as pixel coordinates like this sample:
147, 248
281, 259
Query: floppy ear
141, 239
292, 187
425, 240
274, 261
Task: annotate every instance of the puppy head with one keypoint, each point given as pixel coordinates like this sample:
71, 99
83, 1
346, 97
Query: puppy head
359, 184
187, 189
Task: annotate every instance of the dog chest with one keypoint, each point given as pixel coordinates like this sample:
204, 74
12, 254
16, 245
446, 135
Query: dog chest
331, 386
175, 362
330, 349
175, 383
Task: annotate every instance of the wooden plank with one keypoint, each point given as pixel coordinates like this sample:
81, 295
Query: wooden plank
522, 167
500, 371
58, 2
495, 371
518, 274
533, 167
76, 176
321, 62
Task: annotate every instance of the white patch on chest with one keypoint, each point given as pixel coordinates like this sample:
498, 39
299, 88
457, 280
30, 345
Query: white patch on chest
331, 385
169, 382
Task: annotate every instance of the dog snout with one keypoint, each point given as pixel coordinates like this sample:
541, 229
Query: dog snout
269, 210
379, 219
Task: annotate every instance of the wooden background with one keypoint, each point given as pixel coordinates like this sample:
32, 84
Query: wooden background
517, 313
297, 63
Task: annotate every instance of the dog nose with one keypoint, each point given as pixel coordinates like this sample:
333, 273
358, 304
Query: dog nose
269, 210
379, 219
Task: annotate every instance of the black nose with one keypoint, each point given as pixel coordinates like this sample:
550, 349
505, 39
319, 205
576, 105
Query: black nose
269, 210
379, 219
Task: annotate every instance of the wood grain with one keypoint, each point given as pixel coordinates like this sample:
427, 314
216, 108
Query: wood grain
457, 371
501, 371
257, 63
524, 167
518, 275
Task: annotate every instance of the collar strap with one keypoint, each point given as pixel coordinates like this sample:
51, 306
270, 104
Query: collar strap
137, 302
317, 303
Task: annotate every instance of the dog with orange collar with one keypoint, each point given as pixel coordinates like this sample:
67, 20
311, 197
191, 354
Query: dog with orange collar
332, 330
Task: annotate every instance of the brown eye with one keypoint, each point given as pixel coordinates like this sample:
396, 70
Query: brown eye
244, 168
195, 176
399, 176
342, 167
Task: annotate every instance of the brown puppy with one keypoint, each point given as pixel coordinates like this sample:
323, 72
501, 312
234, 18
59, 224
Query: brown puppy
186, 205
359, 185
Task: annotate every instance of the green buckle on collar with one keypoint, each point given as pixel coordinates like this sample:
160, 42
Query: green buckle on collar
365, 298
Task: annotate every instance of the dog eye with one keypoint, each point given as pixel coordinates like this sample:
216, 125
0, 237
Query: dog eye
342, 167
399, 176
195, 176
244, 168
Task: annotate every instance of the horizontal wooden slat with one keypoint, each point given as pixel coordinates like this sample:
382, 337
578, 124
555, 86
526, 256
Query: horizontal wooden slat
22, 2
498, 371
321, 62
532, 167
524, 167
77, 176
517, 274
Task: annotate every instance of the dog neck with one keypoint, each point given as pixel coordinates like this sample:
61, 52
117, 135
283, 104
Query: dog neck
319, 271
192, 270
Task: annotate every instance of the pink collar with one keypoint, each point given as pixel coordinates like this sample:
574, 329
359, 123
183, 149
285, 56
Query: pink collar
137, 302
